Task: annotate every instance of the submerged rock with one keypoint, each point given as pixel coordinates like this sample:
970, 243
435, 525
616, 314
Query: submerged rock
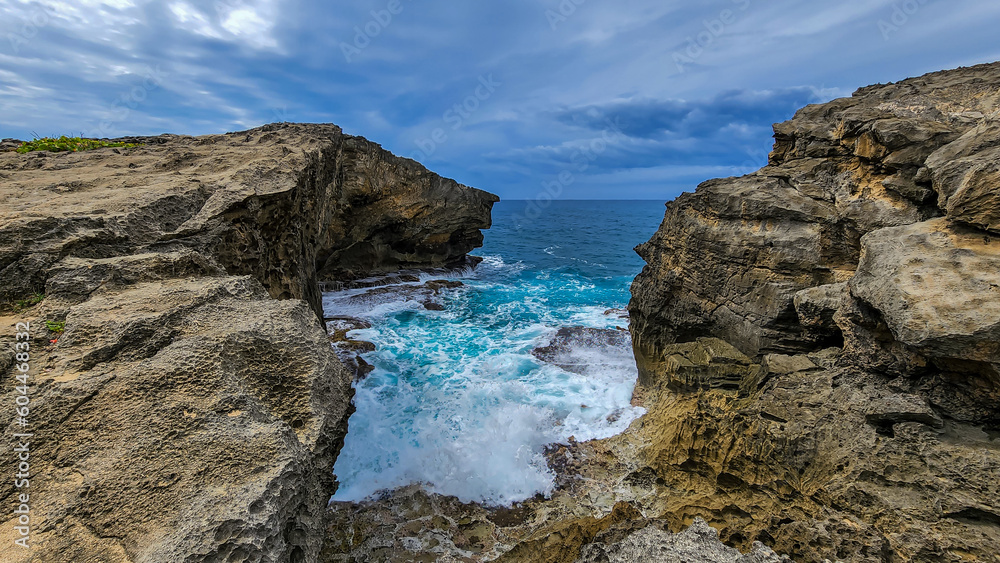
573, 347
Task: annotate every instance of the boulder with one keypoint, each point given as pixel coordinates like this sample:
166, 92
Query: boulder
966, 177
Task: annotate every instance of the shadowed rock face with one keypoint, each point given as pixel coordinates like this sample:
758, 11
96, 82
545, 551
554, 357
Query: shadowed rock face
193, 408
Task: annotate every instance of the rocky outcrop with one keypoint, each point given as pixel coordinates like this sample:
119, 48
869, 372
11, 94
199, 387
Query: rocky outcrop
573, 348
729, 259
289, 205
409, 524
871, 229
185, 401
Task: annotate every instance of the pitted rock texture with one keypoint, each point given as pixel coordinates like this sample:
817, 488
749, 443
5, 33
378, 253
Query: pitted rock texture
289, 204
193, 408
872, 229
653, 544
729, 258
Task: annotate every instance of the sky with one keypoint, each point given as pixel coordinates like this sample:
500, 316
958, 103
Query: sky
529, 99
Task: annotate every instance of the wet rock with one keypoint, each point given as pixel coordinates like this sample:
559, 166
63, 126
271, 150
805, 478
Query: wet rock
348, 349
339, 325
572, 347
437, 285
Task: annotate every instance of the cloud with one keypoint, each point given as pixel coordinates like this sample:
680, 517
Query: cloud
67, 67
732, 111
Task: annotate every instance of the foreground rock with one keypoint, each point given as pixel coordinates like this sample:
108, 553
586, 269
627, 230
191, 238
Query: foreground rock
409, 524
872, 231
654, 544
185, 401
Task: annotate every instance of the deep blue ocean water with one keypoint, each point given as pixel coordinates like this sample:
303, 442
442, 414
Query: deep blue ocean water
456, 400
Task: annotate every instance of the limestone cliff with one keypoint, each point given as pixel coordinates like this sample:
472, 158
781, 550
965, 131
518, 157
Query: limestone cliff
857, 279
728, 259
185, 402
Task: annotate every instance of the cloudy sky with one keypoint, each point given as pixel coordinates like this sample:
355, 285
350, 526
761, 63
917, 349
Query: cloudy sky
625, 99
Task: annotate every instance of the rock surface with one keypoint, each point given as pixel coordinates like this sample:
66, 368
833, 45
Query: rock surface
288, 204
729, 259
873, 227
408, 524
698, 544
185, 400
573, 348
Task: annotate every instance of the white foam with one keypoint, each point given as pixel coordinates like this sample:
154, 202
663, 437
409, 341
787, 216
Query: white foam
456, 400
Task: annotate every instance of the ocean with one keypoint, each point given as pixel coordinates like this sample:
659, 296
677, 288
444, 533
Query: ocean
456, 400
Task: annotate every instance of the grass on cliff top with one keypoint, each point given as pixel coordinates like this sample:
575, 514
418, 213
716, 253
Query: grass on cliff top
64, 143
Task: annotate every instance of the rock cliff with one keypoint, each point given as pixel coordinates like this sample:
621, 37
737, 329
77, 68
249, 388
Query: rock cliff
857, 279
185, 402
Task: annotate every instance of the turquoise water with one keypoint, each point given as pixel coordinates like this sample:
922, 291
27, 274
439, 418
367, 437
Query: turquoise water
456, 400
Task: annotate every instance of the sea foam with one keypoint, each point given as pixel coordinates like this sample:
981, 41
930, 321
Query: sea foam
457, 401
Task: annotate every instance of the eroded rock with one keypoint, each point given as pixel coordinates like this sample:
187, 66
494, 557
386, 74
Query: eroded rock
193, 407
729, 259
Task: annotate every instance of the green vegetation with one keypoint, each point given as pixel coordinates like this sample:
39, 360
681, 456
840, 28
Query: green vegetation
65, 143
56, 326
22, 304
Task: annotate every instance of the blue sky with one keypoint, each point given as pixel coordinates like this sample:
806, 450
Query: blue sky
631, 99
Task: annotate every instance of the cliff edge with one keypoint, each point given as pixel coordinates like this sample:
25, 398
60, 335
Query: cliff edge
184, 402
818, 340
